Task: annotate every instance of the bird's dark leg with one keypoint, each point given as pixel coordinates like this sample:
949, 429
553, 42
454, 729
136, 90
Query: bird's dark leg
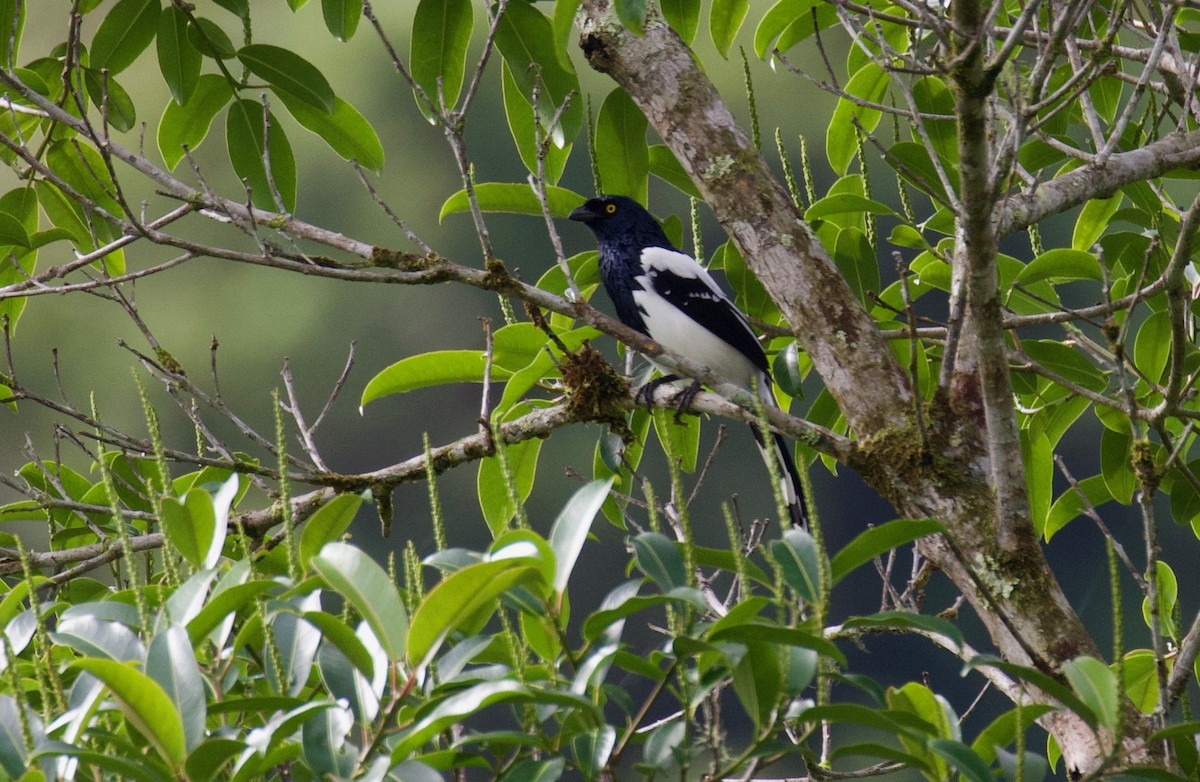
684, 400
645, 394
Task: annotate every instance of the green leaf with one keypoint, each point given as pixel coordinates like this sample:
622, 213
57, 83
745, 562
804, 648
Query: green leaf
525, 38
632, 14
659, 557
64, 213
514, 198
210, 40
171, 662
178, 60
841, 142
181, 532
1060, 265
843, 203
441, 33
780, 16
592, 750
724, 20
680, 440
184, 127
224, 603
1141, 679
1115, 465
1093, 219
124, 34
83, 169
106, 92
245, 137
757, 680
855, 259
521, 118
327, 525
341, 17
144, 704
12, 232
452, 709
438, 368
775, 635
358, 578
1037, 453
622, 154
492, 489
345, 130
1152, 345
12, 21
1168, 596
288, 72
683, 16
878, 540
665, 166
1096, 686
459, 597
571, 528
798, 559
963, 759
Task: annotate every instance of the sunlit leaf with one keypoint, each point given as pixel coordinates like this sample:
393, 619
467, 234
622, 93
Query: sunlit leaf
178, 60
247, 141
288, 72
124, 34
440, 34
518, 199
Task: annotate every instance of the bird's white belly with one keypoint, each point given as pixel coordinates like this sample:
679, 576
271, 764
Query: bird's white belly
679, 334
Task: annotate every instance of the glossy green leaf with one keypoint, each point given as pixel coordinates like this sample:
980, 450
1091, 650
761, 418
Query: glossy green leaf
336, 632
514, 198
525, 38
178, 60
124, 34
105, 92
83, 169
12, 21
680, 440
1152, 345
458, 598
798, 559
1093, 219
665, 166
1096, 686
171, 663
725, 18
659, 558
224, 603
1115, 465
210, 39
592, 750
288, 72
841, 142
1037, 453
1061, 265
184, 127
360, 580
571, 528
1141, 679
453, 709
1168, 596
1003, 730
342, 17
879, 540
776, 635
345, 130
246, 139
622, 154
492, 488
441, 33
845, 203
144, 703
12, 232
182, 534
438, 368
757, 680
327, 525
683, 16
521, 122
777, 19
963, 759
855, 259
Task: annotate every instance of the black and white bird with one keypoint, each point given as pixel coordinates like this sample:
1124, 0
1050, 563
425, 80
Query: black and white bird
666, 295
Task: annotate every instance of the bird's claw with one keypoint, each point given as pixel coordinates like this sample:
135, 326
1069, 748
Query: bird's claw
684, 400
645, 394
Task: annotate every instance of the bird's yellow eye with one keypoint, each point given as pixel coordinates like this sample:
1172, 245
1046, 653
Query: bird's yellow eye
610, 208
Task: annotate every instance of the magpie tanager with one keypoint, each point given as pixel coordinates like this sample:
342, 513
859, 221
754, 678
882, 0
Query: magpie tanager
666, 295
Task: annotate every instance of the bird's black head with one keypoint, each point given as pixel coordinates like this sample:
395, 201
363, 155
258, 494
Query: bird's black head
620, 219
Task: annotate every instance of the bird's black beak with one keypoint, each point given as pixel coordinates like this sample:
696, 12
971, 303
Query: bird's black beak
582, 214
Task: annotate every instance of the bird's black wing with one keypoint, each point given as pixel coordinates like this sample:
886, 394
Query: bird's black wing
686, 285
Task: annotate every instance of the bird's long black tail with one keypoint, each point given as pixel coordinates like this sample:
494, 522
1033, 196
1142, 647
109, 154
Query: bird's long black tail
778, 450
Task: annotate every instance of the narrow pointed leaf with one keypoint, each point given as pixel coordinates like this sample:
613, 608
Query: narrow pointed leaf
571, 528
358, 578
145, 704
288, 72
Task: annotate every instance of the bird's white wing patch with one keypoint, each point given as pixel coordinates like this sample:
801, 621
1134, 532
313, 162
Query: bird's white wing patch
662, 259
